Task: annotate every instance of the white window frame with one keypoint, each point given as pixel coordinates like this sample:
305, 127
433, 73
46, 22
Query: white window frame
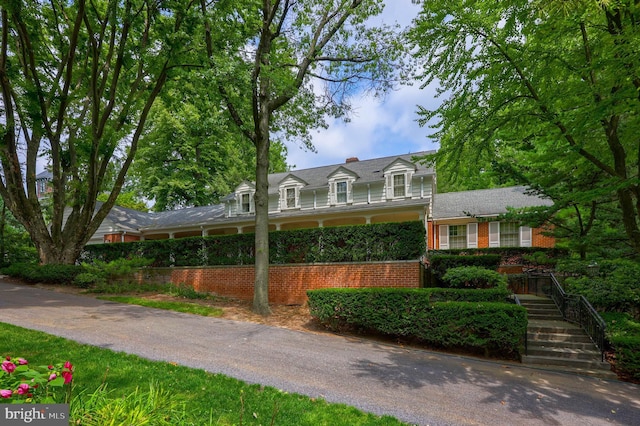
398, 186
284, 200
333, 191
241, 204
525, 238
343, 183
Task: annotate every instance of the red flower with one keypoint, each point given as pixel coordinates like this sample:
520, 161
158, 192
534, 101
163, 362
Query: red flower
8, 366
23, 388
68, 376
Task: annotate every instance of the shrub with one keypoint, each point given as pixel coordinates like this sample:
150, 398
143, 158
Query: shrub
615, 286
624, 335
49, 274
489, 328
99, 272
440, 264
474, 277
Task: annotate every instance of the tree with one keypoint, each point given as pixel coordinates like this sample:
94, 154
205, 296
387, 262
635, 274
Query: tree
532, 81
78, 80
191, 155
269, 86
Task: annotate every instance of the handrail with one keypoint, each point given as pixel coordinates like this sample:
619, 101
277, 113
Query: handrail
516, 299
577, 309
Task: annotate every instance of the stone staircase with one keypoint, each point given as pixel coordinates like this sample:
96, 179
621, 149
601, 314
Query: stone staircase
553, 343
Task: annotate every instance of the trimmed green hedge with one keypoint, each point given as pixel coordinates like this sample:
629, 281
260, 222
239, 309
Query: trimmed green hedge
627, 349
49, 274
474, 277
475, 322
363, 243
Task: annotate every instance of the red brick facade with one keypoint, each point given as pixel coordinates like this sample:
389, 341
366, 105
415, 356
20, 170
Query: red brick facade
288, 283
537, 235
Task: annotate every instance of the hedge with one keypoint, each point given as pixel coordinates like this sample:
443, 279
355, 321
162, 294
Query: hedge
441, 263
375, 242
475, 322
627, 350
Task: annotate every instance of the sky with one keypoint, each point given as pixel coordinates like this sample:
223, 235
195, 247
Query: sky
378, 127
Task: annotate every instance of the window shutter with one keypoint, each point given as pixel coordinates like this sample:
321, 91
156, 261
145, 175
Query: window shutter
252, 207
389, 187
349, 191
297, 197
525, 236
443, 231
332, 193
283, 198
494, 234
472, 235
407, 185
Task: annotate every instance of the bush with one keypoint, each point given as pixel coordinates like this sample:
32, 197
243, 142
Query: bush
481, 327
440, 264
474, 277
48, 274
613, 286
99, 273
623, 332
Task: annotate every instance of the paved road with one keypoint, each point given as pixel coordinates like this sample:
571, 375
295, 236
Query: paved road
416, 386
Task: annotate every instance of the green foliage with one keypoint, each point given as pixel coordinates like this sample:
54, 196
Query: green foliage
155, 406
540, 258
440, 264
98, 272
476, 321
48, 274
613, 286
185, 307
474, 277
538, 96
623, 333
376, 242
187, 292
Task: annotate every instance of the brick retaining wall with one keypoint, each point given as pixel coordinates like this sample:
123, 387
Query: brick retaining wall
288, 283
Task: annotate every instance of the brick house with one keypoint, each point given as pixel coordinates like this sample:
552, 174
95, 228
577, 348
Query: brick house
388, 189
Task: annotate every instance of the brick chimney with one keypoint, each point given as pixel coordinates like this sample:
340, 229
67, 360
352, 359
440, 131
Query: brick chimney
352, 159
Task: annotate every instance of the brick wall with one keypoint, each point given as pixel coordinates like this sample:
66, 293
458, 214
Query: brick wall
288, 283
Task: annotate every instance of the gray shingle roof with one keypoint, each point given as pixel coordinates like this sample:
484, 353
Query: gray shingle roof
366, 170
484, 202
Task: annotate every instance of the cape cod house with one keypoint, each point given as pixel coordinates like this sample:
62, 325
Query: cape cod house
388, 189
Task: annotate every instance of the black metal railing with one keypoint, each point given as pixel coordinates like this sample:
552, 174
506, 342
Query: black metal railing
578, 310
516, 300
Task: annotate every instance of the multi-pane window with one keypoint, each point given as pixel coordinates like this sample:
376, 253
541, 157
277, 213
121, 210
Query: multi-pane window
291, 198
509, 234
457, 236
398, 185
245, 203
341, 192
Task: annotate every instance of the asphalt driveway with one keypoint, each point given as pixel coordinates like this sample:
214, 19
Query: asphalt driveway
416, 386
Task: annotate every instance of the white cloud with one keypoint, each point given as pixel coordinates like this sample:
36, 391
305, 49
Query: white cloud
378, 127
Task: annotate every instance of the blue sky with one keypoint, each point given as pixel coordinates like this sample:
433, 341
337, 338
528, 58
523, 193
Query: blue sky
378, 127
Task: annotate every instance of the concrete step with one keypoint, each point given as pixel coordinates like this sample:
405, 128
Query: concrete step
559, 339
588, 354
568, 363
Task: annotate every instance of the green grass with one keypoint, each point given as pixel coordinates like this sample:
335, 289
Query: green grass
207, 398
186, 307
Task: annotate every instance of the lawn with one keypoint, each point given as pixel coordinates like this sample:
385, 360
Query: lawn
205, 398
186, 307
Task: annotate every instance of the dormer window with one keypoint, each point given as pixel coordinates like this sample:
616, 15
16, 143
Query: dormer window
399, 185
245, 203
398, 175
291, 198
341, 192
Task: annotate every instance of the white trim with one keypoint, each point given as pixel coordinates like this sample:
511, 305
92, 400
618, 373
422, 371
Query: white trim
494, 234
472, 235
443, 232
525, 236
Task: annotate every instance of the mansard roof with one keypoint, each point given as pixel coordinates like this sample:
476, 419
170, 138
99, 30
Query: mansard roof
484, 202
